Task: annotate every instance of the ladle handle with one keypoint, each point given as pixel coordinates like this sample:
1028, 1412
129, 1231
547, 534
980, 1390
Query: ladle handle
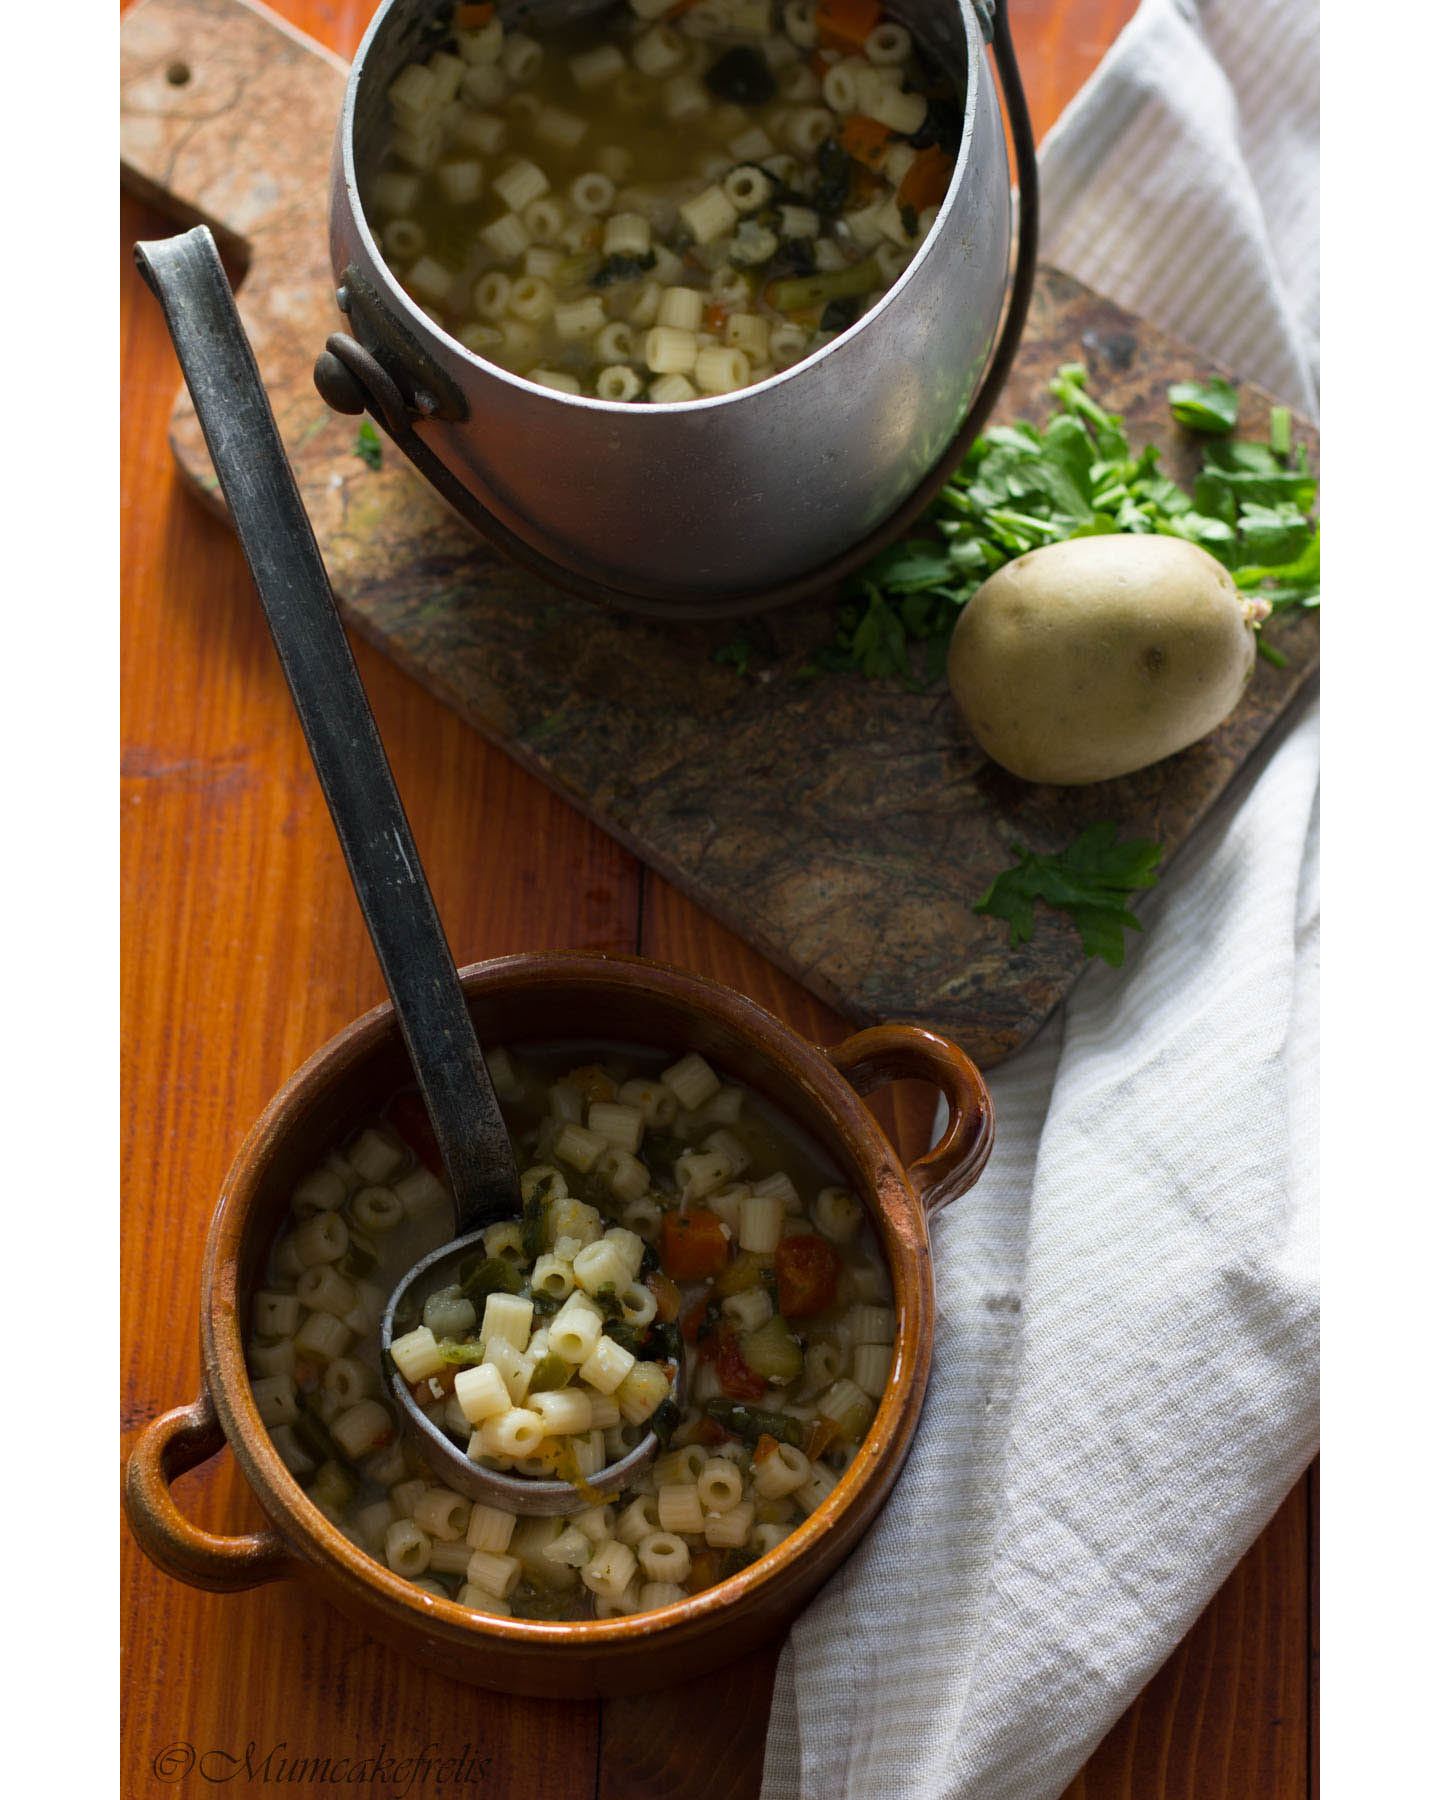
187, 277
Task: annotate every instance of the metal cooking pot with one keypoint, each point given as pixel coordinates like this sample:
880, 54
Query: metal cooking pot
710, 507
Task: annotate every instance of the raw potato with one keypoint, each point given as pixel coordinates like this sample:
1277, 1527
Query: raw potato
1098, 656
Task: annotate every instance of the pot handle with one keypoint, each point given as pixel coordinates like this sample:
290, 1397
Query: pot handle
885, 1053
168, 1447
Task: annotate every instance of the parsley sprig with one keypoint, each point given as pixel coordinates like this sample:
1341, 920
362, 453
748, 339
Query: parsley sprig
1023, 486
367, 445
1092, 879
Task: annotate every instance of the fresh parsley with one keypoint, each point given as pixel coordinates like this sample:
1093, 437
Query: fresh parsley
1204, 405
738, 651
1092, 880
367, 445
1078, 475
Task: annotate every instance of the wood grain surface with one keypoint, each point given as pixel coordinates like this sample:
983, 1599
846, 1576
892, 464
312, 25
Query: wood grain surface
855, 867
242, 951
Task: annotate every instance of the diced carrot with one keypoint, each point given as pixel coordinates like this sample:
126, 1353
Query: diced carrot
680, 6
847, 23
471, 18
693, 1245
867, 140
704, 1570
765, 1446
714, 316
819, 1438
667, 1296
926, 180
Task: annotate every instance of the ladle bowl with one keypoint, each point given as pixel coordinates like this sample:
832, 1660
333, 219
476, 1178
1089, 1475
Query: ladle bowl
530, 1495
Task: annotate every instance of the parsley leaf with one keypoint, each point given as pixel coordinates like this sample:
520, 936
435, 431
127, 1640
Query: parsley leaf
367, 444
1092, 879
738, 651
1204, 406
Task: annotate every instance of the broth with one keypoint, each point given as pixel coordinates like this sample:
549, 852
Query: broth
655, 208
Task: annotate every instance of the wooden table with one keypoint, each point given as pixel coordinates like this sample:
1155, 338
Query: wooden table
244, 950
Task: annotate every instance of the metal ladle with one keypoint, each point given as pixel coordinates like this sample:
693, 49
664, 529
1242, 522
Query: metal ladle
187, 277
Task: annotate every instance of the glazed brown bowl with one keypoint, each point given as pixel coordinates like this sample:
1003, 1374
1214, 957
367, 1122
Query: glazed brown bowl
557, 997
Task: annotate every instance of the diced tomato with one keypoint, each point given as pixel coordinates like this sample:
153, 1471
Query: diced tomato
845, 24
410, 1119
807, 1272
711, 1431
737, 1378
667, 1296
693, 1245
867, 140
692, 1319
925, 181
471, 18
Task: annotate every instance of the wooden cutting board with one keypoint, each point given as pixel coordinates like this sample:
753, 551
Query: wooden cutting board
844, 827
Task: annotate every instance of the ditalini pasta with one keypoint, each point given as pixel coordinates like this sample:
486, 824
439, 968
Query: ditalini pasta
733, 184
667, 1211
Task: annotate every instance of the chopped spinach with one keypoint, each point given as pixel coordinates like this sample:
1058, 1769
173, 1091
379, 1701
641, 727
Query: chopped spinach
741, 76
832, 190
751, 1423
840, 314
663, 1421
622, 268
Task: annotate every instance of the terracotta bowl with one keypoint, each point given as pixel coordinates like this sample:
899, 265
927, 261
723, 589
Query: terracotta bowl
539, 998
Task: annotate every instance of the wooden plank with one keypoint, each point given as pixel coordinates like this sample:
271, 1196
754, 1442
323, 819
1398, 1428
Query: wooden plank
1228, 1717
702, 1741
853, 866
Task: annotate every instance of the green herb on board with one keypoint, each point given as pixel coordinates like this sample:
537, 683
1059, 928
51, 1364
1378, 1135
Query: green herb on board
1204, 405
367, 445
1092, 880
738, 651
1022, 486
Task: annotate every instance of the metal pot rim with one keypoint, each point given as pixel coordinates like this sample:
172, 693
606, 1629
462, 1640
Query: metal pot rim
421, 323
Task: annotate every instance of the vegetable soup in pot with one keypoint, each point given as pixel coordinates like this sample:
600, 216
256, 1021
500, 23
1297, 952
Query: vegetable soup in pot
666, 1212
658, 202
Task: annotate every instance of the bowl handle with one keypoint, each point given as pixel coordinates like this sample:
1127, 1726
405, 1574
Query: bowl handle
168, 1447
908, 1052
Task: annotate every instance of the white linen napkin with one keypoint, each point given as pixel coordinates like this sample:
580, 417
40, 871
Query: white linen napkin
1125, 1374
